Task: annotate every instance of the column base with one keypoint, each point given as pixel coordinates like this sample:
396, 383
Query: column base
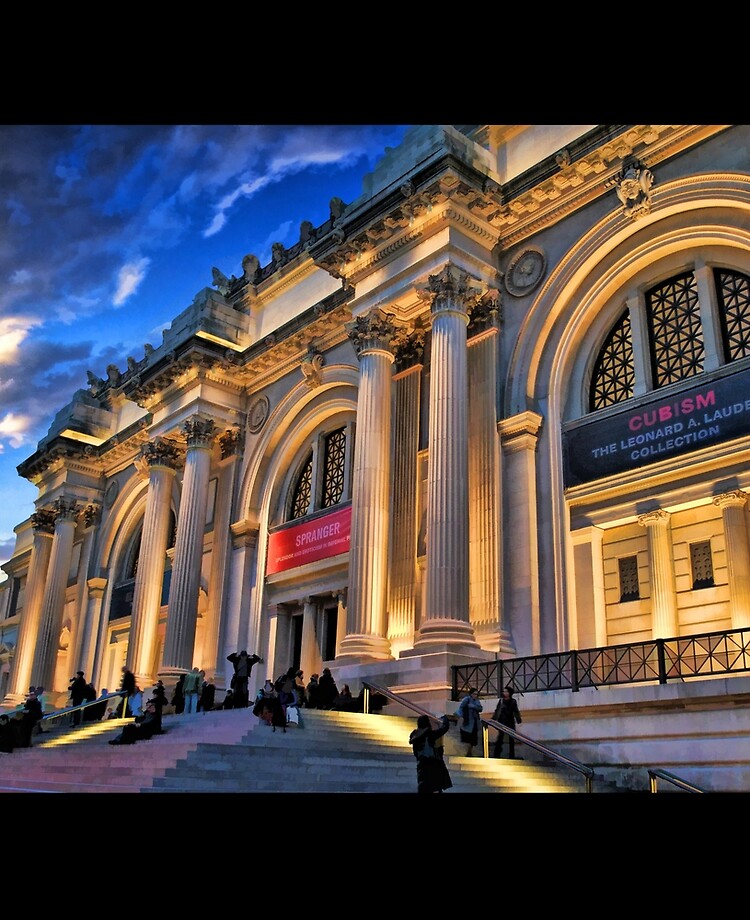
366, 647
14, 699
446, 632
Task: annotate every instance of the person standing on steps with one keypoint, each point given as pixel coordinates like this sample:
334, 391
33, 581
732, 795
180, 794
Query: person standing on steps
469, 720
191, 690
243, 665
127, 686
77, 692
426, 743
506, 713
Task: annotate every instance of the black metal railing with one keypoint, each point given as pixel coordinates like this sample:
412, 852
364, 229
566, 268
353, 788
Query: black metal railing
654, 775
658, 660
560, 759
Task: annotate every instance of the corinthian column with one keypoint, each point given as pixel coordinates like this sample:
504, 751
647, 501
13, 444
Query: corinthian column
179, 642
53, 604
732, 506
663, 596
366, 620
446, 618
43, 523
161, 459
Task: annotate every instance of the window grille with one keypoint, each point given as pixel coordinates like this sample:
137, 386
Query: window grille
613, 372
676, 335
629, 588
302, 491
701, 564
733, 294
333, 474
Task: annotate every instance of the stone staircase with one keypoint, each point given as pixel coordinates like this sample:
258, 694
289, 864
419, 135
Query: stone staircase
233, 752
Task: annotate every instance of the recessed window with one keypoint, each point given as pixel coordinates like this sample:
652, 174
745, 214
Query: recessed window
324, 477
629, 589
702, 565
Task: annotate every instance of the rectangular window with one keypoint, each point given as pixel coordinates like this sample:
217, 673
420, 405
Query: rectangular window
702, 565
629, 590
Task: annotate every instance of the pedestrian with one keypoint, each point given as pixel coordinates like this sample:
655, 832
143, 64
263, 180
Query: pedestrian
178, 697
77, 691
243, 665
159, 696
208, 695
327, 689
32, 713
469, 719
311, 693
426, 743
507, 713
89, 698
127, 686
191, 689
343, 701
97, 711
228, 701
142, 728
135, 701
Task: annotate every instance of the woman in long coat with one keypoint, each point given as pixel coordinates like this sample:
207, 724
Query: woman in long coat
469, 719
432, 773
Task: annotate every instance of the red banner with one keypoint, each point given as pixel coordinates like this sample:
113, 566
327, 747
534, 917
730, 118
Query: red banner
319, 539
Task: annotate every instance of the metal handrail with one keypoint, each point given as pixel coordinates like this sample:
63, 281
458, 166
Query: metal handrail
561, 759
653, 775
58, 713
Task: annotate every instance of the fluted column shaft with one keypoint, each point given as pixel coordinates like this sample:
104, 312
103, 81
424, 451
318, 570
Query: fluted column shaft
403, 569
310, 653
658, 526
231, 446
53, 604
446, 617
161, 458
366, 621
732, 506
179, 642
28, 631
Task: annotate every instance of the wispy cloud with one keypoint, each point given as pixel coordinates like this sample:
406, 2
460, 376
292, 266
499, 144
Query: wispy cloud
129, 279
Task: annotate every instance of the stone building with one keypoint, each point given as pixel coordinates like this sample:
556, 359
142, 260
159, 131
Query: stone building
497, 406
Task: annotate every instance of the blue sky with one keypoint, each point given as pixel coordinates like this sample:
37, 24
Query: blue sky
107, 232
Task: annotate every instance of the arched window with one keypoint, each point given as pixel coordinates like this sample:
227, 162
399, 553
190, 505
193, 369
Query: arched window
324, 477
672, 317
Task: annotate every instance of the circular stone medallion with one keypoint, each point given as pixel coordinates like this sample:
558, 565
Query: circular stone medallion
258, 414
525, 272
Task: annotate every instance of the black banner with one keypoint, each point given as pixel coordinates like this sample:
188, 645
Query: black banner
658, 429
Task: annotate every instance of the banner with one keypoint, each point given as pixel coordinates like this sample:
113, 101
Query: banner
658, 429
309, 542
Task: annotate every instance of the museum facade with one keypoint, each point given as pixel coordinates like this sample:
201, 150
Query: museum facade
497, 406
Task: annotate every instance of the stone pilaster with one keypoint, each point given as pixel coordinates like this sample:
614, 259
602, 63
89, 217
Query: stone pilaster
658, 526
179, 642
84, 632
446, 615
368, 554
485, 478
43, 523
310, 653
733, 513
161, 459
53, 604
404, 581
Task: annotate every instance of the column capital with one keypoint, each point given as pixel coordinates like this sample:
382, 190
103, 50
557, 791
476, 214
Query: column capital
230, 442
244, 533
65, 509
43, 521
451, 291
199, 431
653, 518
160, 452
735, 498
408, 346
372, 332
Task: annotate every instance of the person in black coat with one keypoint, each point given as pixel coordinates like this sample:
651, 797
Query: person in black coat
32, 713
127, 685
327, 689
142, 728
243, 665
506, 713
208, 696
432, 773
77, 691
